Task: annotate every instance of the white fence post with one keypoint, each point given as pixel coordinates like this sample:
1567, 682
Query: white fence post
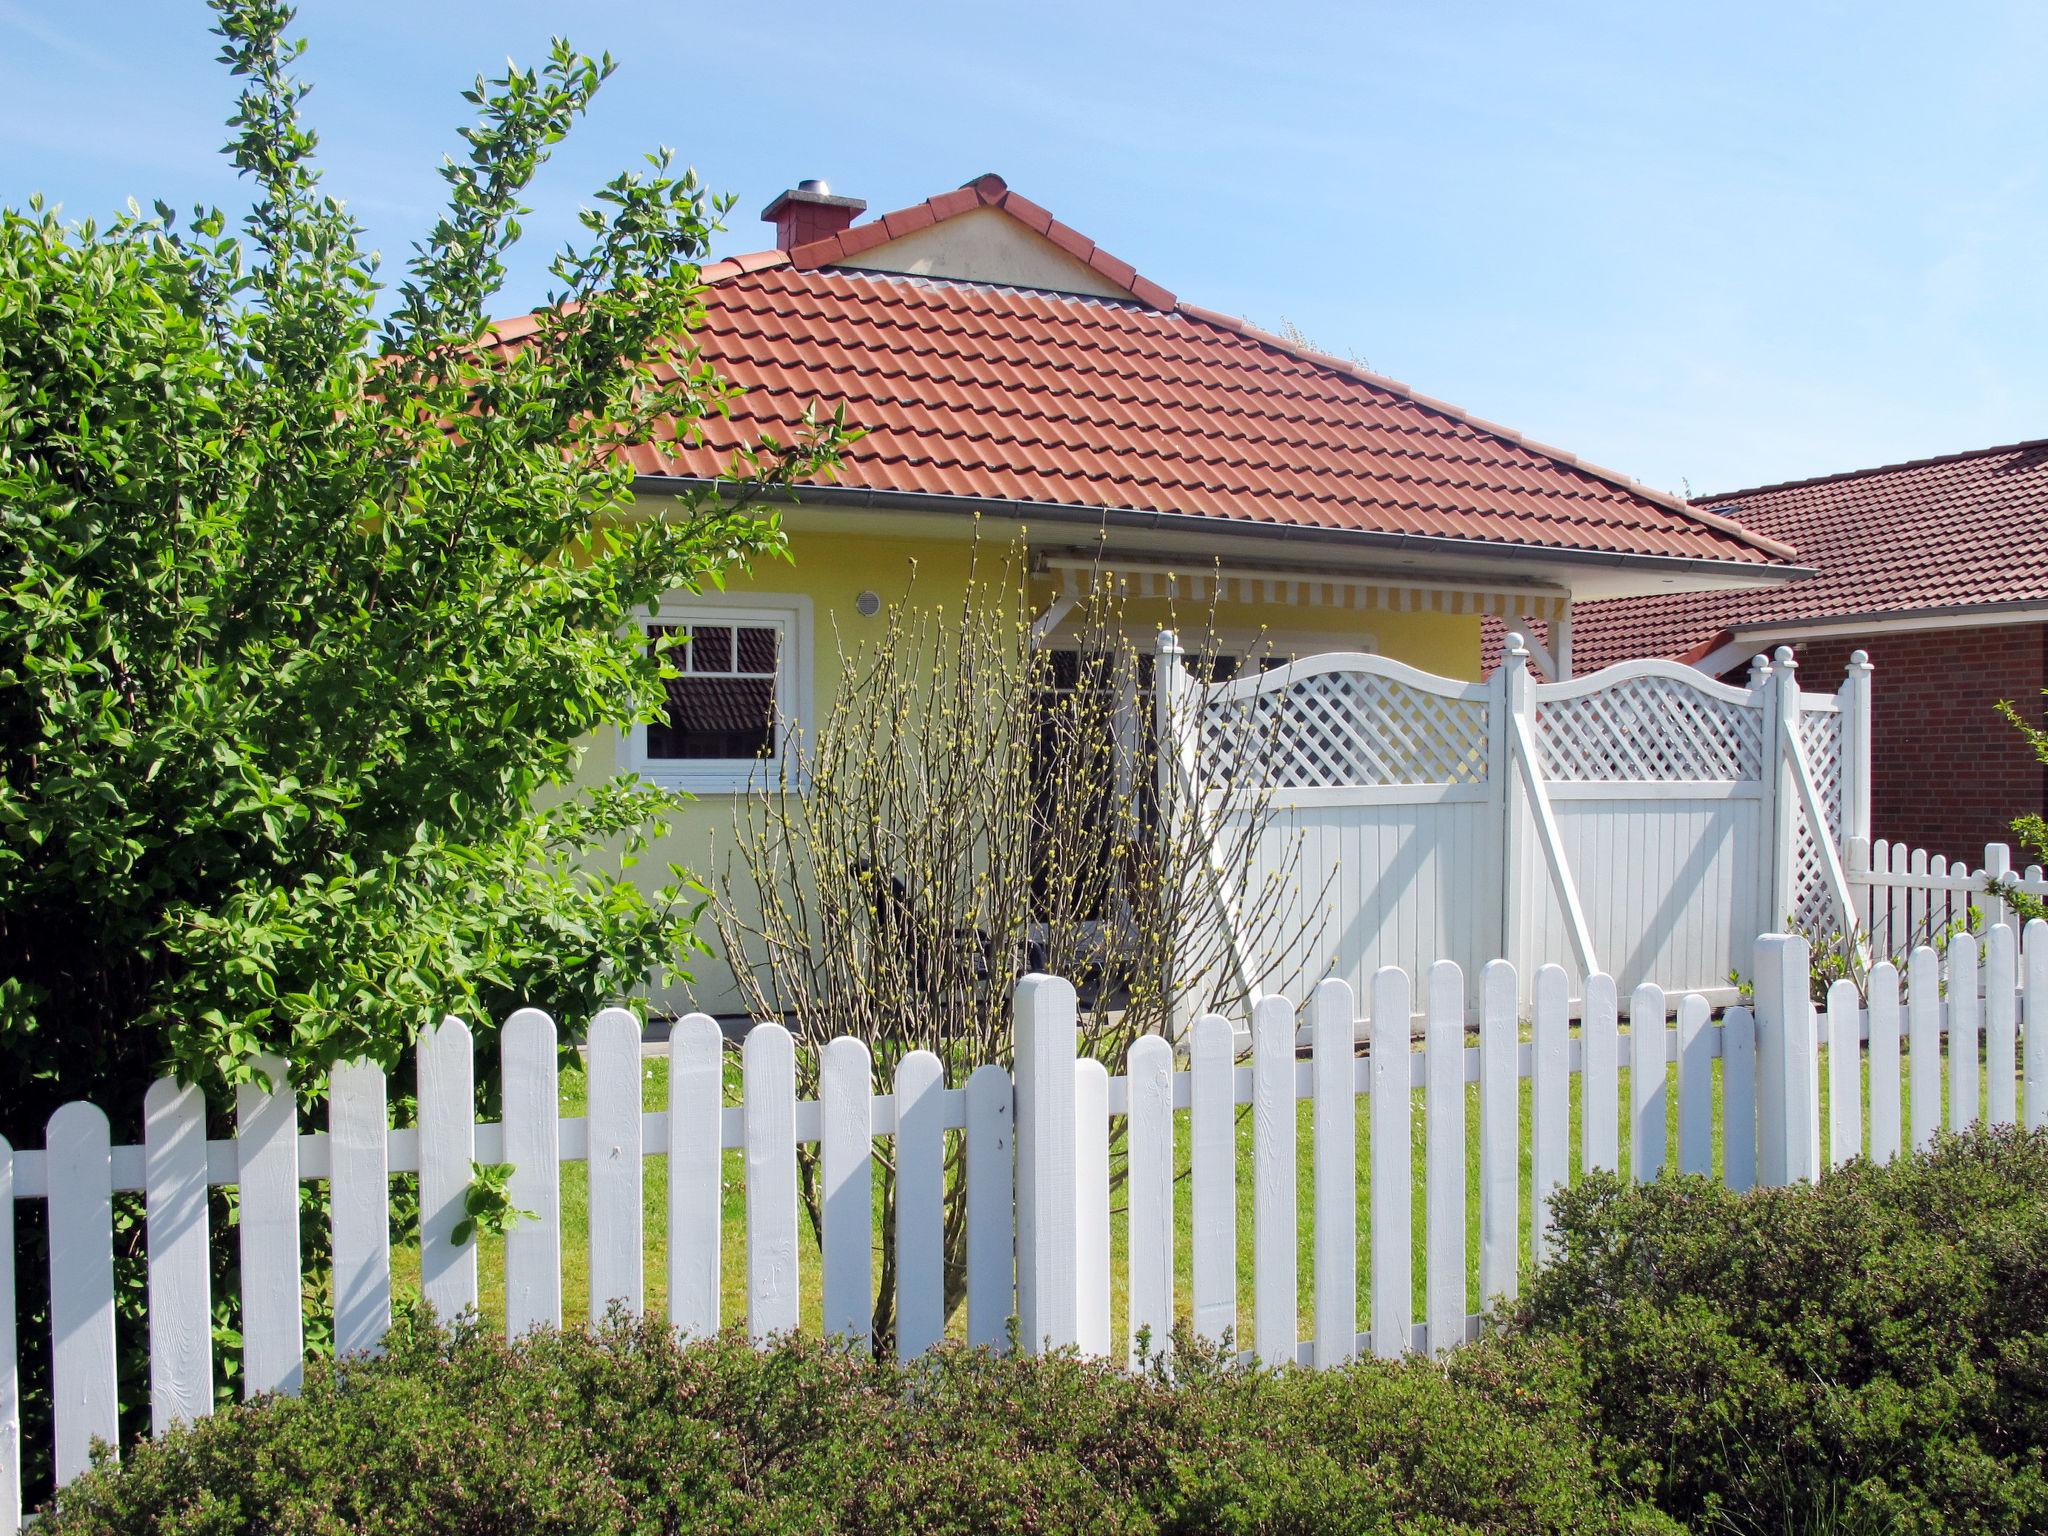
1048, 1187
1515, 695
1170, 717
1782, 864
1786, 1069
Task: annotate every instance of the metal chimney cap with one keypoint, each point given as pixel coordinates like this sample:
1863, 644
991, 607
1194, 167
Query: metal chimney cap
816, 191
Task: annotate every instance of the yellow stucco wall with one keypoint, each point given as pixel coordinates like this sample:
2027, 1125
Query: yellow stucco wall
833, 569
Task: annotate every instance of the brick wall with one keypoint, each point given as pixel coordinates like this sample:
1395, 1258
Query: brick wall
1947, 774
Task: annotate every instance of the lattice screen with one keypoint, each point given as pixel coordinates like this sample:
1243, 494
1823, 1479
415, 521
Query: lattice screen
1649, 728
1820, 738
1345, 730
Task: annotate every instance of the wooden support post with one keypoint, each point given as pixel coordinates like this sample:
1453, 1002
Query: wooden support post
1787, 1127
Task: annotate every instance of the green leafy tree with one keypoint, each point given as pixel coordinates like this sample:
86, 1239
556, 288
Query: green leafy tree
303, 610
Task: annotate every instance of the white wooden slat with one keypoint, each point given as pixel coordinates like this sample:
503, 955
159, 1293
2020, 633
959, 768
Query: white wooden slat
1600, 1075
1898, 932
617, 1166
1923, 1032
1883, 987
529, 1078
846, 1157
1647, 1075
1695, 1085
180, 1278
1500, 1139
1964, 1032
1845, 1074
1921, 922
1393, 1132
81, 1236
10, 1377
447, 1140
696, 1174
1549, 1098
991, 1206
1738, 1098
920, 1204
1091, 1183
267, 1139
2034, 1109
1333, 1013
1444, 1108
1274, 1165
1212, 1177
1048, 1289
768, 1062
359, 1182
1149, 1237
2001, 1026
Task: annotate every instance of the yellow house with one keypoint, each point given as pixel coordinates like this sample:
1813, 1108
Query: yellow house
1004, 365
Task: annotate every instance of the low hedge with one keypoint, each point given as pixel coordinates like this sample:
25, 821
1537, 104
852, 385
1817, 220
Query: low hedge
1870, 1354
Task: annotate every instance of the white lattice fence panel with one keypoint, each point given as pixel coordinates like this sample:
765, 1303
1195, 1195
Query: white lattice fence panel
1820, 740
1344, 730
1649, 728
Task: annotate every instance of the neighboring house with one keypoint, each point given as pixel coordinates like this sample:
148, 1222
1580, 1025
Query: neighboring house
1939, 570
1004, 364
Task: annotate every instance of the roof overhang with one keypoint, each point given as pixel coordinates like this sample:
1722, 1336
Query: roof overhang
1736, 643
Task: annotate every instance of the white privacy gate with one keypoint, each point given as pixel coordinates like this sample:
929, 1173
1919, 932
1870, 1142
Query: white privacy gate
1645, 821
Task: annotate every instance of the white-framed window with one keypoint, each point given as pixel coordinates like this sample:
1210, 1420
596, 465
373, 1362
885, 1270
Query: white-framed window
743, 687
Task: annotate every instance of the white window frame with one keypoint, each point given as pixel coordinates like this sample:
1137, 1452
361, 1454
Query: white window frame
789, 612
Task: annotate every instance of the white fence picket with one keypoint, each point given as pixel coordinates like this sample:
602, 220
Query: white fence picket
267, 1145
991, 1203
1048, 1290
1965, 1034
1212, 1176
1695, 1085
1500, 1144
1600, 1075
1444, 1193
1549, 1099
447, 1090
2001, 1026
529, 1082
920, 1205
1149, 1233
696, 1174
180, 1278
1274, 1164
81, 1185
1845, 1074
846, 1156
1393, 1179
617, 1166
1091, 1184
10, 1376
1333, 1012
1883, 986
359, 1140
768, 1061
1738, 1098
2034, 1109
1647, 1076
1923, 1031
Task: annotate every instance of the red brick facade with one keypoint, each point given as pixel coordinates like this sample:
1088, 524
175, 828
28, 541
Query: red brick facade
1948, 774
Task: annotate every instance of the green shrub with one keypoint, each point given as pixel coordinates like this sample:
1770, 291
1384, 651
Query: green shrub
1870, 1354
621, 1429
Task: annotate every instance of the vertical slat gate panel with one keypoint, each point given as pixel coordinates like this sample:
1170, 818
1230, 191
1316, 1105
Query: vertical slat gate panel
618, 1165
81, 1182
1600, 1077
529, 1077
2035, 952
2001, 1026
267, 1146
10, 1352
1695, 1085
358, 1138
1274, 1165
180, 1274
1149, 1239
1332, 1024
447, 1089
696, 1173
1923, 1032
1845, 1074
1883, 986
1500, 1151
920, 1204
768, 1059
1393, 1177
991, 1206
1091, 1184
1647, 1075
1550, 1104
1738, 1098
1444, 1107
1212, 1133
1963, 1032
846, 1107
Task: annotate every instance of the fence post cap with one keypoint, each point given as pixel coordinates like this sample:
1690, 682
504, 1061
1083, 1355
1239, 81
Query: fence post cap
1784, 656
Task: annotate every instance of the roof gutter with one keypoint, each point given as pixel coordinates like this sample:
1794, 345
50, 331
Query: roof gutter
1185, 522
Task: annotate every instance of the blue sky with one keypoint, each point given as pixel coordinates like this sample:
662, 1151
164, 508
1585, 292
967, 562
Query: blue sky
1716, 244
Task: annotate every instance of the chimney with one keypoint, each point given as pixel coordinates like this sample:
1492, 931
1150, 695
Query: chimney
809, 211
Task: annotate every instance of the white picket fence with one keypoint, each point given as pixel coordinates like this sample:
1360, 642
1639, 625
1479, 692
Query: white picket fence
1037, 1165
1907, 896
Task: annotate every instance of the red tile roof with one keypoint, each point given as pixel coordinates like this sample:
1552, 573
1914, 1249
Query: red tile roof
1144, 404
1951, 532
